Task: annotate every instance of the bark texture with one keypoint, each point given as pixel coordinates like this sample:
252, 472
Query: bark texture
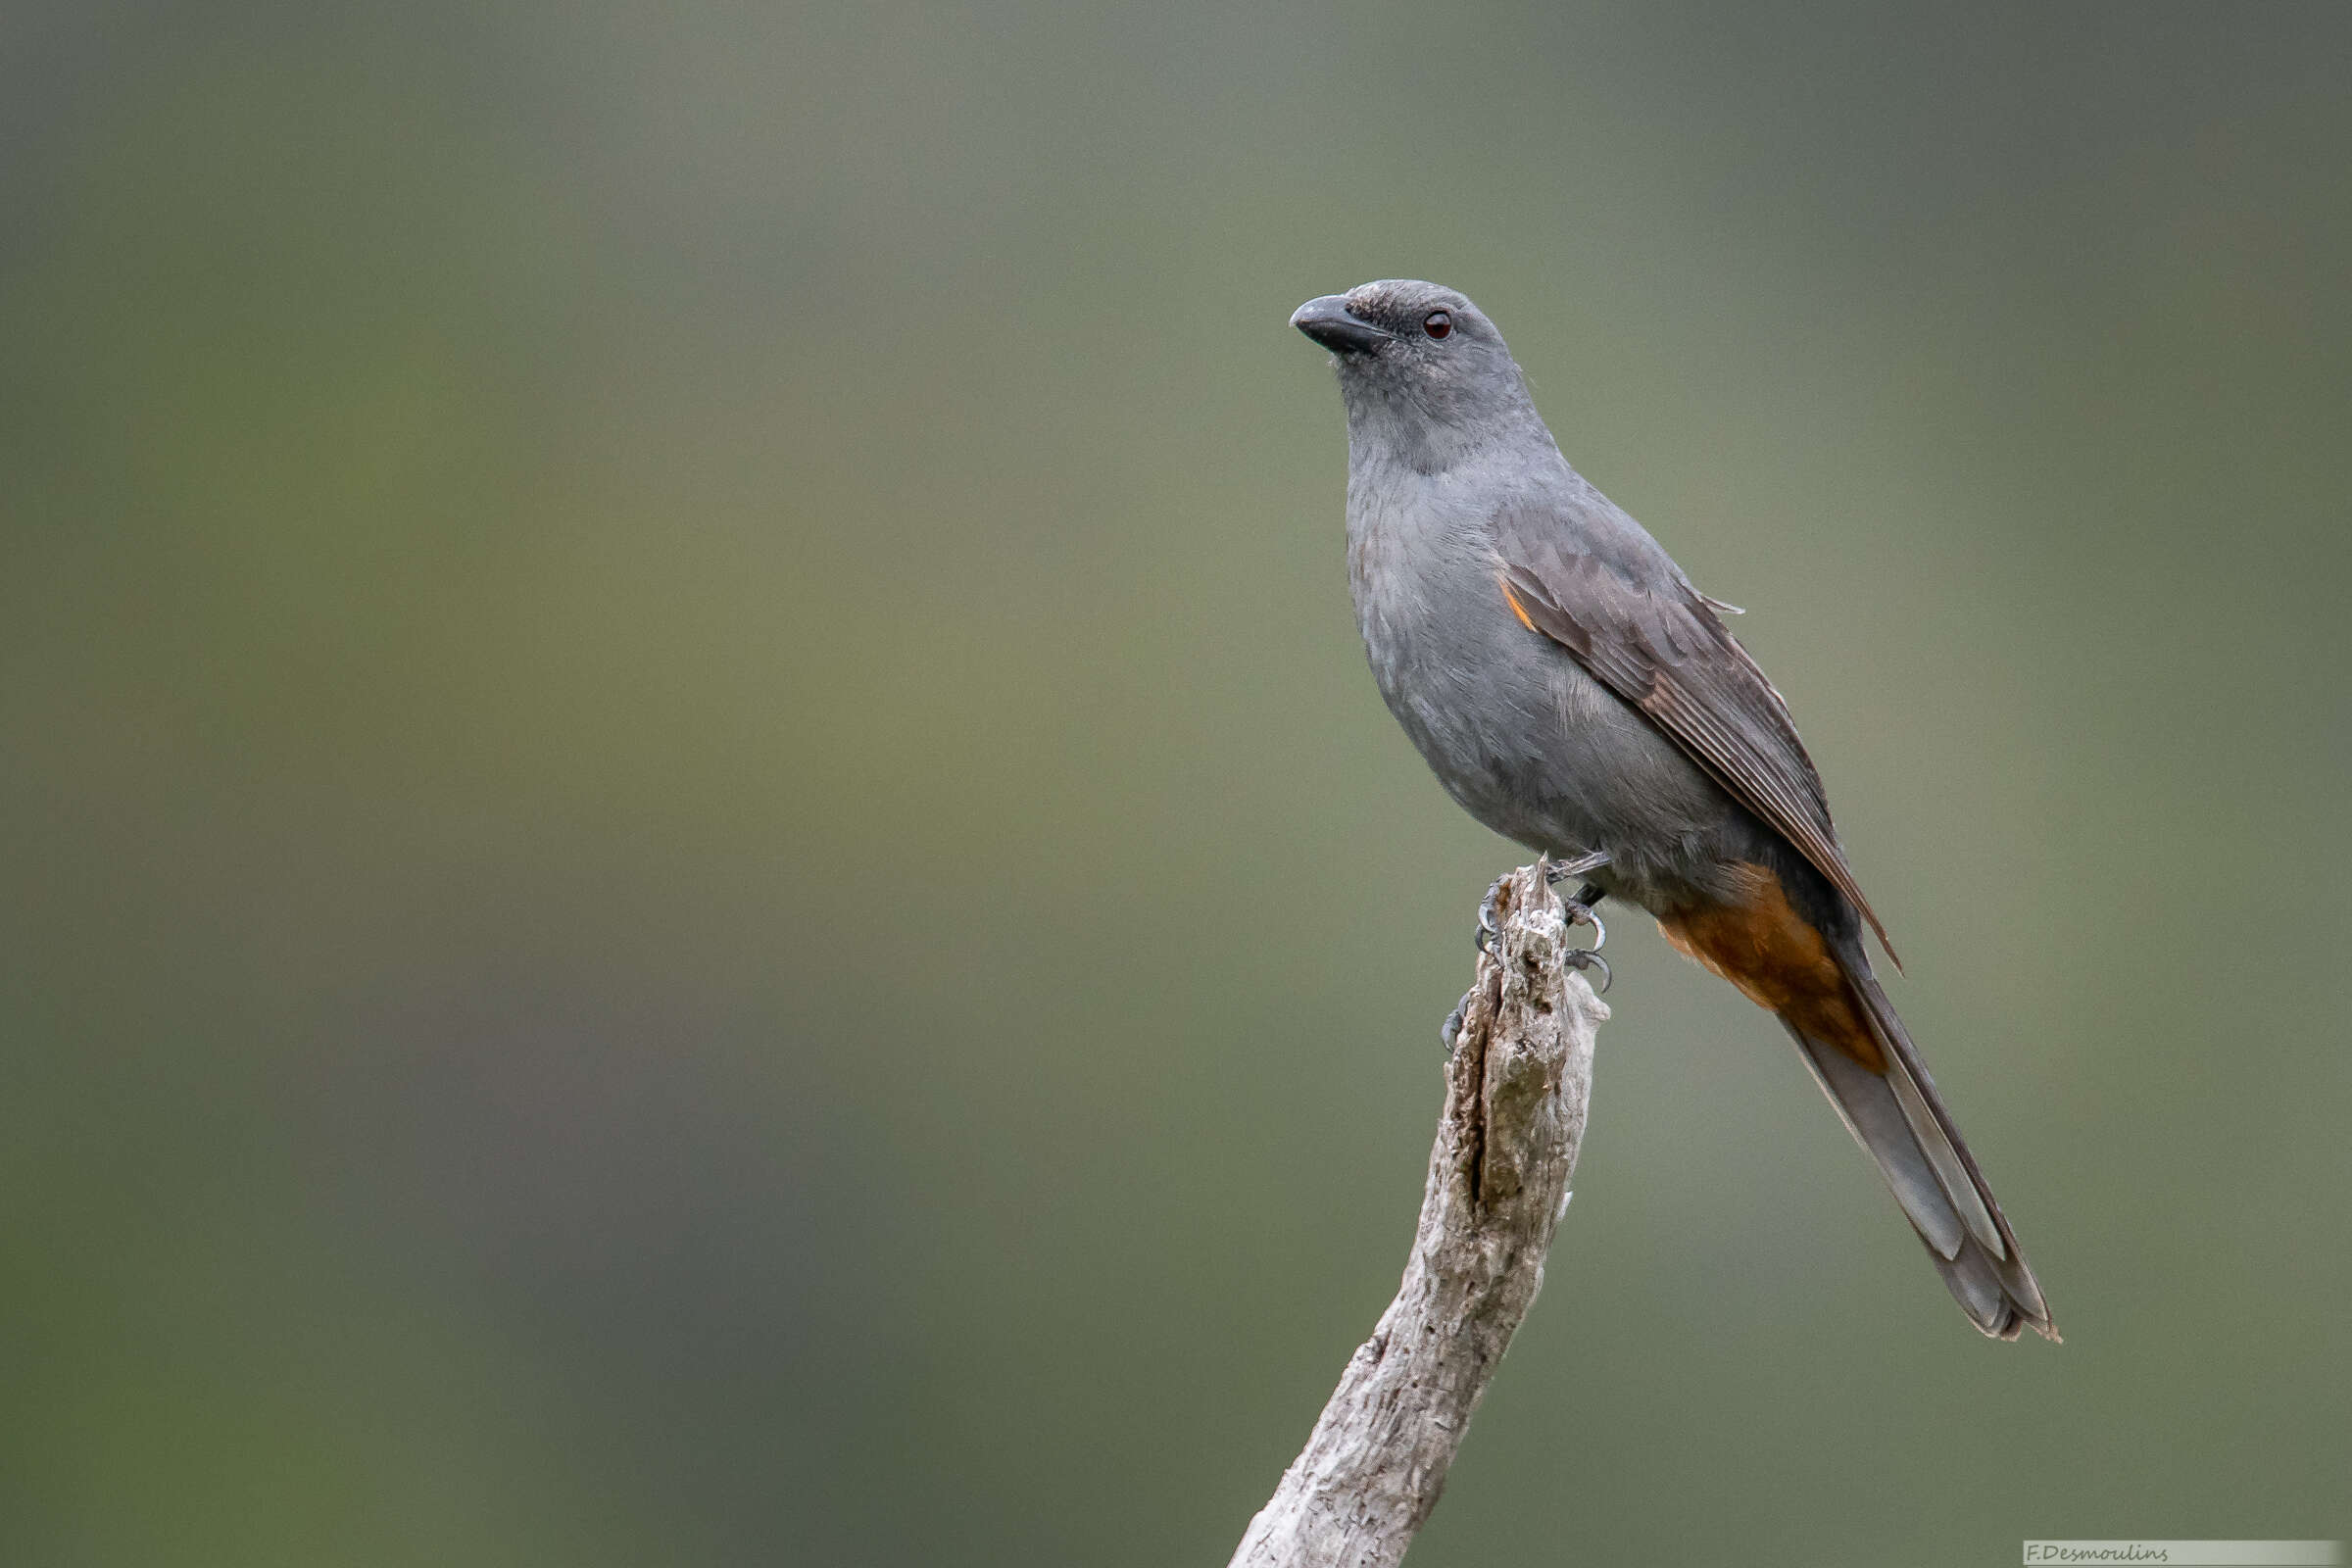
1516, 1088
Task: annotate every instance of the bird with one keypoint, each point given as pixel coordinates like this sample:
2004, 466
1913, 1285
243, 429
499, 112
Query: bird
1572, 690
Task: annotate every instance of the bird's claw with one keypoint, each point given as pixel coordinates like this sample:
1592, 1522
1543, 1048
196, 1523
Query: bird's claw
1577, 910
1580, 911
1489, 933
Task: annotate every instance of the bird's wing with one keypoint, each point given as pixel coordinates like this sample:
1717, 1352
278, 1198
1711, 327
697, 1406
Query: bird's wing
1659, 647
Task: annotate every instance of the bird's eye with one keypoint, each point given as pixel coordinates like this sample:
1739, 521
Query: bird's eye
1437, 323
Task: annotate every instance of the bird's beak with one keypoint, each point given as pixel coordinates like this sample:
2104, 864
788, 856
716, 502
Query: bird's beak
1329, 323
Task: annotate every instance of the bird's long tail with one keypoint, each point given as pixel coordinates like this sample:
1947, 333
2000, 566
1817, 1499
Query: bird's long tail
1822, 990
1899, 1119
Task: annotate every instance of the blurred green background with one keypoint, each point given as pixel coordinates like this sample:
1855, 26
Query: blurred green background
699, 867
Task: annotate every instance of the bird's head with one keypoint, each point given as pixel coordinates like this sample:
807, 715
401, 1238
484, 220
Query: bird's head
1421, 368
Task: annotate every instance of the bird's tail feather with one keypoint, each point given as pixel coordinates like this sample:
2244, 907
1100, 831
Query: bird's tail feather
1901, 1122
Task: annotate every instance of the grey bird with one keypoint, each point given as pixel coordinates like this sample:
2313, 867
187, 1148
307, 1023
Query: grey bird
1572, 691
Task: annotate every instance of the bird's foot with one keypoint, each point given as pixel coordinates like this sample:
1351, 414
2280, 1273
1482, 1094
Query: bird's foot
1488, 932
1582, 910
1578, 910
1451, 1032
1587, 958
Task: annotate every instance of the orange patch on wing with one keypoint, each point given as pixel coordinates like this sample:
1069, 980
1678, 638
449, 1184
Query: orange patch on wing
1517, 608
1778, 961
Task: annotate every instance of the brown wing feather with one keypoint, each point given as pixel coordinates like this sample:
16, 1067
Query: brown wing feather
1666, 654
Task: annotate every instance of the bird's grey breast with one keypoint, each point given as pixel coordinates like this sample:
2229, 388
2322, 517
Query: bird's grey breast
1493, 708
1520, 734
